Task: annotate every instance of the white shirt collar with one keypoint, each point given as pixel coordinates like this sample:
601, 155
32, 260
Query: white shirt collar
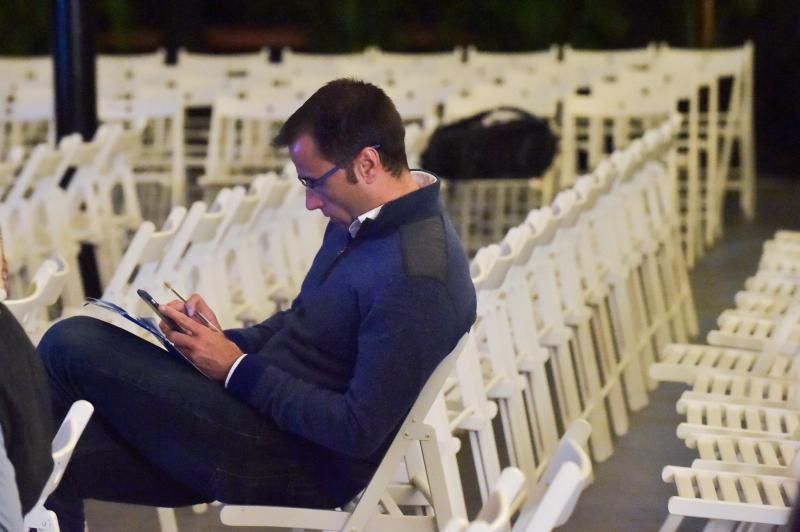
369, 215
423, 178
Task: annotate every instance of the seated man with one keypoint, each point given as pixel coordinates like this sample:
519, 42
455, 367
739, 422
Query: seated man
299, 409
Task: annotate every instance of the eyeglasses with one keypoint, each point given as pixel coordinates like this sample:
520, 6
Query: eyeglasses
317, 182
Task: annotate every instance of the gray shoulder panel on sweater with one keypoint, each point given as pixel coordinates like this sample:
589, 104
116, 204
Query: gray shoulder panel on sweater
424, 246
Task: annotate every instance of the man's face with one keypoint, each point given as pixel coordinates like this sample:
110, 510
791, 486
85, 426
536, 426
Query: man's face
335, 197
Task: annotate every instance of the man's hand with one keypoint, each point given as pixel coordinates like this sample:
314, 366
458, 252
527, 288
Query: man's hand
194, 307
211, 351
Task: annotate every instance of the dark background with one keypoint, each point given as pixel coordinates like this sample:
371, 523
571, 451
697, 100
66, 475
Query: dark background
125, 26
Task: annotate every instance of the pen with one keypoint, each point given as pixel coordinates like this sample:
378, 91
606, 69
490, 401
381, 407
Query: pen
206, 321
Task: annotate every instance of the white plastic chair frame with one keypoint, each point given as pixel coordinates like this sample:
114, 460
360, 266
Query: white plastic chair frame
239, 142
9, 165
609, 61
27, 118
557, 492
735, 123
139, 267
64, 442
160, 157
222, 65
496, 513
47, 286
364, 515
726, 496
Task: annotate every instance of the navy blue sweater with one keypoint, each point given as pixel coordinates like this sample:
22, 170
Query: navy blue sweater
374, 317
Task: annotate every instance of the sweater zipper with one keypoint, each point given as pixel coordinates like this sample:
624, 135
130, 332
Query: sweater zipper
339, 256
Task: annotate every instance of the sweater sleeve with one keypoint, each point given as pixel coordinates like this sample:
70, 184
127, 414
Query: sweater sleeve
252, 339
402, 338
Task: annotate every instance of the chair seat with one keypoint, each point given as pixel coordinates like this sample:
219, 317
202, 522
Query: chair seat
730, 495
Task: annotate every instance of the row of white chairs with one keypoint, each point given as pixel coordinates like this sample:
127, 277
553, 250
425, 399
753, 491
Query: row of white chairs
81, 192
192, 237
537, 313
529, 320
742, 411
537, 81
616, 111
503, 338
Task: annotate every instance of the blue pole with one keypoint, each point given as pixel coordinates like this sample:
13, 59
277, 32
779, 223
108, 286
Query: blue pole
76, 102
74, 63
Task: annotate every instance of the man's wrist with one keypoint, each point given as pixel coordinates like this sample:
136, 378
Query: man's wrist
233, 368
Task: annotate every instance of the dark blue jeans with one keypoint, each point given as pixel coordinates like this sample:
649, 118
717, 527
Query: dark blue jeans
164, 435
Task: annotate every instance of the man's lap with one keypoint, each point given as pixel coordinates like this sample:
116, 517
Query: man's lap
186, 424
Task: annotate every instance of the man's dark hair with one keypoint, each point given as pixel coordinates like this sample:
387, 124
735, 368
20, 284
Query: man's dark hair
345, 116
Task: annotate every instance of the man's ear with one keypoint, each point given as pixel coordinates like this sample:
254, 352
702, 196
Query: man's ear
367, 165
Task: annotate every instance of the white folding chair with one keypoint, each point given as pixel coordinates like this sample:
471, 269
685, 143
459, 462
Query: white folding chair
734, 123
364, 515
27, 119
140, 264
557, 492
33, 230
505, 384
608, 61
471, 410
496, 513
64, 442
252, 286
31, 310
9, 164
127, 65
192, 264
757, 333
492, 65
239, 142
624, 298
27, 69
222, 65
727, 497
158, 162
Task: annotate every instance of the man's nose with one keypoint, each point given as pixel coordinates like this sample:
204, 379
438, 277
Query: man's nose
313, 201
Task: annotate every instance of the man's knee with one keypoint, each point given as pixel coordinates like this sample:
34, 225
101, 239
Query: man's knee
67, 338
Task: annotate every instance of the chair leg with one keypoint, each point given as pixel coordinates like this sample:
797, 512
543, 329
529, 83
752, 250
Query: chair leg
166, 518
671, 524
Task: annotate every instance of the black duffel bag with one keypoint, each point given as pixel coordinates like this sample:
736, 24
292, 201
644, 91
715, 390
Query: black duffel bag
505, 142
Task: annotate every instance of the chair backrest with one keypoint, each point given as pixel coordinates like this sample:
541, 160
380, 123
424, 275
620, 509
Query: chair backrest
160, 157
496, 513
239, 139
222, 65
142, 258
28, 117
64, 444
623, 105
192, 264
249, 272
127, 66
27, 69
48, 283
43, 162
488, 65
8, 168
610, 61
412, 429
562, 483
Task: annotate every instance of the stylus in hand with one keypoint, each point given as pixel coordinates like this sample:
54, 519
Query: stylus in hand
205, 320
